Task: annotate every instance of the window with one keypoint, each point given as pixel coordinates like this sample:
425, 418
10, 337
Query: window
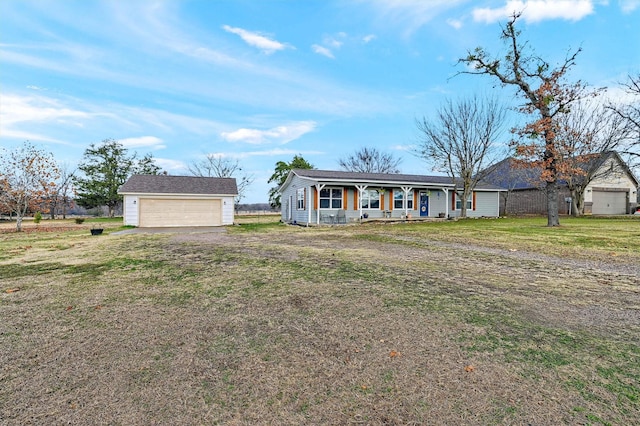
469, 202
300, 197
370, 199
331, 198
398, 199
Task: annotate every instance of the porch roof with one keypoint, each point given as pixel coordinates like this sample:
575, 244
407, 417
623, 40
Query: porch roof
382, 179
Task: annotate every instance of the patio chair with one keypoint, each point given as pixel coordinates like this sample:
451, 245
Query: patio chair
341, 217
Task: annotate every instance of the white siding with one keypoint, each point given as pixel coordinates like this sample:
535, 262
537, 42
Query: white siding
437, 203
130, 214
487, 205
290, 192
228, 210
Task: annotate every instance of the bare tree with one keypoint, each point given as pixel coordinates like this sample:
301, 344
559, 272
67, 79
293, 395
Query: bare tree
60, 195
462, 140
630, 113
370, 160
587, 136
217, 165
27, 177
546, 96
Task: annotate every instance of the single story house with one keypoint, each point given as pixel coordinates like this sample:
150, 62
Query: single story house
612, 190
326, 196
165, 201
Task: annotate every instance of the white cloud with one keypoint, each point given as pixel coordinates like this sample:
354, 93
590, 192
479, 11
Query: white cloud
260, 41
334, 42
143, 142
404, 148
536, 10
26, 111
17, 109
276, 152
170, 165
368, 38
455, 23
280, 134
321, 50
629, 6
329, 44
411, 14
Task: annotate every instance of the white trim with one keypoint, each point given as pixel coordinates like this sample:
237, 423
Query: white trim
319, 187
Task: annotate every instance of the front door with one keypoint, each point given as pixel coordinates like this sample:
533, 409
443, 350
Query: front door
424, 204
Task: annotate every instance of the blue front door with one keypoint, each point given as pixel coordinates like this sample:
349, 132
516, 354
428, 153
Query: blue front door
424, 204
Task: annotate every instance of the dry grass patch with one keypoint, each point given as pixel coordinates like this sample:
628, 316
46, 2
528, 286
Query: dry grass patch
287, 325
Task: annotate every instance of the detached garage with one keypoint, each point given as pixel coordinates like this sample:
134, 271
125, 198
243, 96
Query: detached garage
164, 201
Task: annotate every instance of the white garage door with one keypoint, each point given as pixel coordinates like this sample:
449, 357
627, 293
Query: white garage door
605, 202
177, 212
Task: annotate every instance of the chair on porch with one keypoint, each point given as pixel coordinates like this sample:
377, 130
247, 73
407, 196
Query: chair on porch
341, 217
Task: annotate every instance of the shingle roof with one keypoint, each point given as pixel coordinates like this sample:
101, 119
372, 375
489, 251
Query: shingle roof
381, 178
164, 184
508, 175
370, 177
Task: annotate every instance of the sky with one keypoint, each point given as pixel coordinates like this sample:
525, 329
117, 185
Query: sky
259, 81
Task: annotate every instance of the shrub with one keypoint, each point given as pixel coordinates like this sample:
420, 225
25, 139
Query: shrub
79, 220
37, 217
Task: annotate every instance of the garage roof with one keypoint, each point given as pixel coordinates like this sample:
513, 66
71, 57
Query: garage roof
166, 184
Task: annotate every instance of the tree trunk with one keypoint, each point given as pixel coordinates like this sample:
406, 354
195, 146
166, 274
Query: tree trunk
577, 202
505, 197
552, 203
19, 223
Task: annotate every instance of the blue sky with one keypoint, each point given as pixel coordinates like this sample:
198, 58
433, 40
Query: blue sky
262, 81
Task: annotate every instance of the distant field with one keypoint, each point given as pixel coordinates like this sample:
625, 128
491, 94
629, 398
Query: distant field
488, 321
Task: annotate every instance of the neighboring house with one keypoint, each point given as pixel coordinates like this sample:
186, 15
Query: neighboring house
325, 196
612, 188
164, 201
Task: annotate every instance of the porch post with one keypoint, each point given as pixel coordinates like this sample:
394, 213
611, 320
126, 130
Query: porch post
309, 207
406, 190
318, 189
446, 202
360, 189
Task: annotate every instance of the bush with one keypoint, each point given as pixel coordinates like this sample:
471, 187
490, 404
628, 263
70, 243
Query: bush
79, 220
37, 217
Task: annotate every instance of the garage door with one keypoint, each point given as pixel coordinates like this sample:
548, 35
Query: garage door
177, 212
606, 202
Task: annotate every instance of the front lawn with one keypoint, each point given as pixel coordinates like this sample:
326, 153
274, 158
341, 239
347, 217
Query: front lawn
487, 321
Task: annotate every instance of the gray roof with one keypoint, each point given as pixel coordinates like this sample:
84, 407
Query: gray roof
192, 185
510, 174
382, 178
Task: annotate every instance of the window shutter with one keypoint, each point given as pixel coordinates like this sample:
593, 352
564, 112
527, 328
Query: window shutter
304, 200
315, 194
473, 202
391, 199
344, 198
415, 201
382, 201
453, 200
355, 199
